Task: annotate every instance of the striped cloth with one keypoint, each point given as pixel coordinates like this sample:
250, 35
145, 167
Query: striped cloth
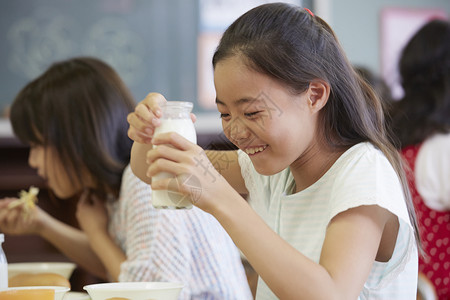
187, 246
361, 176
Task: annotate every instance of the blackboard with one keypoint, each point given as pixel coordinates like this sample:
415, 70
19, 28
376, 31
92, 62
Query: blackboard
151, 43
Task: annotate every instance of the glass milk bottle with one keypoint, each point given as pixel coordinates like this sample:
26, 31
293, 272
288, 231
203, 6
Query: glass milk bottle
3, 266
175, 118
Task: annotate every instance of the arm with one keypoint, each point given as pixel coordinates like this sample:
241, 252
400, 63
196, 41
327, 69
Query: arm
93, 219
348, 252
70, 241
138, 162
227, 165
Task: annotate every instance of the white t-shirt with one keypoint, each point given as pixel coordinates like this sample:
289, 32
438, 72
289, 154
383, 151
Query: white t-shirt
432, 172
188, 246
361, 176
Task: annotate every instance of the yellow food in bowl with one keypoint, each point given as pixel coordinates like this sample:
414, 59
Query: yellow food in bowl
38, 279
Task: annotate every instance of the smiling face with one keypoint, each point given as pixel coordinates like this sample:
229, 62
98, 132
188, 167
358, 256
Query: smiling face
262, 117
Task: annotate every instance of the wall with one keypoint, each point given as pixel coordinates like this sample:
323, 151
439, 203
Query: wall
357, 25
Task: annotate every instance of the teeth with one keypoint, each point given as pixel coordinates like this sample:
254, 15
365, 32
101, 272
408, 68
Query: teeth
255, 150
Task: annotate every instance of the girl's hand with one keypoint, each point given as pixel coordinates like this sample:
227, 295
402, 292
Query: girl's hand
195, 176
91, 214
143, 122
14, 221
145, 118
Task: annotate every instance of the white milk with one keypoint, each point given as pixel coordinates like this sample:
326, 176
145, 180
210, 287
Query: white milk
170, 199
3, 266
3, 276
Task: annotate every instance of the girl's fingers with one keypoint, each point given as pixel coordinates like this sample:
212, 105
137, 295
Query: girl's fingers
145, 118
137, 122
193, 118
83, 203
5, 202
3, 212
138, 130
144, 114
139, 136
96, 201
174, 147
84, 197
154, 101
13, 216
164, 164
173, 139
184, 181
162, 184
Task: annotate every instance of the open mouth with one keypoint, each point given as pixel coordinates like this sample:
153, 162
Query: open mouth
254, 150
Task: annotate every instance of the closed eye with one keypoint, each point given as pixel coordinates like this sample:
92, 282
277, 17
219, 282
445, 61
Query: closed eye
252, 114
224, 116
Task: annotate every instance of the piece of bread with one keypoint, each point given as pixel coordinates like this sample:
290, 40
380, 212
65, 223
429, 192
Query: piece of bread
38, 279
27, 201
35, 294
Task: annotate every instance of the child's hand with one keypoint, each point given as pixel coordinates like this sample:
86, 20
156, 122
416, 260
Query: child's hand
27, 201
145, 118
13, 220
91, 214
195, 176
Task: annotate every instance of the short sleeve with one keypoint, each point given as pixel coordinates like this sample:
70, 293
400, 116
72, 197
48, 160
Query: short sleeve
368, 180
432, 172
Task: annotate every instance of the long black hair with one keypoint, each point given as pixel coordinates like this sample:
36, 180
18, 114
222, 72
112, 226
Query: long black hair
424, 67
79, 108
294, 47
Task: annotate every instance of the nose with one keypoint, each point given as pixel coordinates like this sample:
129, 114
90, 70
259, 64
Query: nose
238, 131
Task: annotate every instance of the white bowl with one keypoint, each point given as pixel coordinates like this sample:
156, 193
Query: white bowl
135, 290
60, 291
76, 296
62, 268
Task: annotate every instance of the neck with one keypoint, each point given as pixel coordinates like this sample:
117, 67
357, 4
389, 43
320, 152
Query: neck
312, 165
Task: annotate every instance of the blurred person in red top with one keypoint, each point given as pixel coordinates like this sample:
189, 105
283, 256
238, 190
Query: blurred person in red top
421, 122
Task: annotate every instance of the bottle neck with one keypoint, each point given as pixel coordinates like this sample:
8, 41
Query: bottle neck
176, 110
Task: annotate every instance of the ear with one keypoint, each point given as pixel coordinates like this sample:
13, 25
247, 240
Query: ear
317, 93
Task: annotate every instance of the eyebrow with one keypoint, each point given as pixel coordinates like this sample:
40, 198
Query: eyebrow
239, 102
